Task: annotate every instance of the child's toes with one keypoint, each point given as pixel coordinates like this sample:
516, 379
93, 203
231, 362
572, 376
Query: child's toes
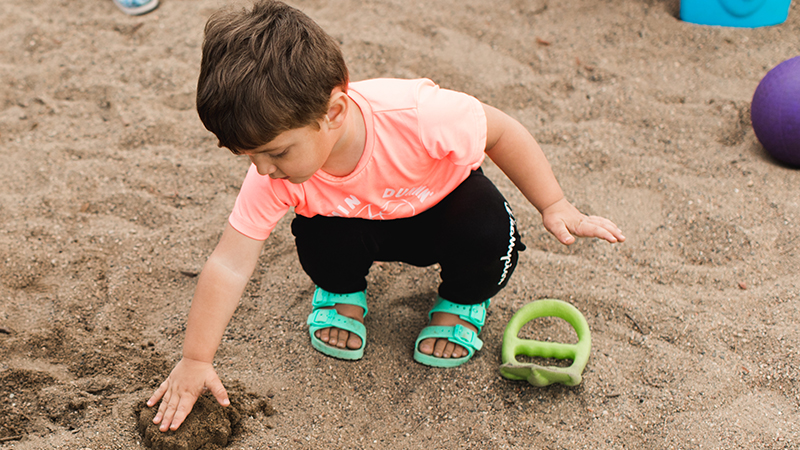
439, 348
337, 339
354, 342
426, 346
442, 348
323, 335
342, 338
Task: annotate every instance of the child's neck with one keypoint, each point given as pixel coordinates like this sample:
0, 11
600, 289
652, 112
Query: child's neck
349, 147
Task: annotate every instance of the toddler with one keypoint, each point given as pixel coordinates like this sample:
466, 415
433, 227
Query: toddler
376, 170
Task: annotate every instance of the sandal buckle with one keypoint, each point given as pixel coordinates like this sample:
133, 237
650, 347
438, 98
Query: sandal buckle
476, 315
465, 337
321, 317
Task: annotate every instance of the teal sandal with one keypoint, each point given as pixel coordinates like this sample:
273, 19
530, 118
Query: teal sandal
458, 334
327, 318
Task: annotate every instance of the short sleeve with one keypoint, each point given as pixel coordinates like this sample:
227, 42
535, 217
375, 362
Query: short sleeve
452, 124
258, 206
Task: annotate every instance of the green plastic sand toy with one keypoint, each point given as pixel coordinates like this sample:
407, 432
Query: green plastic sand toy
536, 374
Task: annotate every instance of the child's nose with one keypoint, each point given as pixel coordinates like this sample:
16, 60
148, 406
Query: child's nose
263, 166
265, 169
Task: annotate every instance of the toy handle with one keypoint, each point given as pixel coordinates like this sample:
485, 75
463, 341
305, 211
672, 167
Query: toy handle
742, 8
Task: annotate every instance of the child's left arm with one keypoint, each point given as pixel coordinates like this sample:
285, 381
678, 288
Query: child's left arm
519, 156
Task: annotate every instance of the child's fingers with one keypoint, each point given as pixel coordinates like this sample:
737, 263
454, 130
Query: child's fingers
562, 233
157, 394
599, 227
565, 237
164, 397
567, 227
602, 233
165, 412
176, 411
609, 229
617, 234
219, 392
181, 411
607, 224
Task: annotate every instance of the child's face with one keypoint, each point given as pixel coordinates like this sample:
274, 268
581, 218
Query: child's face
294, 155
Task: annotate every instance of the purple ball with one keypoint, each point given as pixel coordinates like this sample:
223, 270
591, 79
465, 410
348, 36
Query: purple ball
775, 112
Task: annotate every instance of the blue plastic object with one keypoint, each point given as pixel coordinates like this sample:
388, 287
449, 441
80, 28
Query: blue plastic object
735, 13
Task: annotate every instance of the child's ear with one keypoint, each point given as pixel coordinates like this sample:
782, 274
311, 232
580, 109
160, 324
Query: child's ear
337, 109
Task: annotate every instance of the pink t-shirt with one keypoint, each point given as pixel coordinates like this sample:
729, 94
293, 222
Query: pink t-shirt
421, 143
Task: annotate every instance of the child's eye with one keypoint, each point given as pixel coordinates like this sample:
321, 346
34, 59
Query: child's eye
281, 154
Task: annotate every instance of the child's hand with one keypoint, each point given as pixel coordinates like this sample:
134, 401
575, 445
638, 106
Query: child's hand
564, 221
178, 393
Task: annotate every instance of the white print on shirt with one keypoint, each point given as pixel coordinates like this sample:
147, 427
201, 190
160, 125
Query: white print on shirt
511, 243
351, 203
389, 210
421, 192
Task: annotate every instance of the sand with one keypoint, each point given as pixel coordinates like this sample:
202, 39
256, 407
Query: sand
113, 195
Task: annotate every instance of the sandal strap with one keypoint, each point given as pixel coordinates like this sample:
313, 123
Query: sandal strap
326, 318
457, 334
474, 314
324, 299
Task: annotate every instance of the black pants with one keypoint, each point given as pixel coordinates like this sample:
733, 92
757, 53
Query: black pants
471, 234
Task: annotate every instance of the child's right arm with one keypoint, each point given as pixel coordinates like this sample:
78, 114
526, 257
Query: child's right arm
519, 156
219, 288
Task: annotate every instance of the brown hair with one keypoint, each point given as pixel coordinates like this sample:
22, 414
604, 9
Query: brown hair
265, 71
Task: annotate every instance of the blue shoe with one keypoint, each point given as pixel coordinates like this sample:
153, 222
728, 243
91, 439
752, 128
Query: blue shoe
327, 318
457, 334
136, 7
